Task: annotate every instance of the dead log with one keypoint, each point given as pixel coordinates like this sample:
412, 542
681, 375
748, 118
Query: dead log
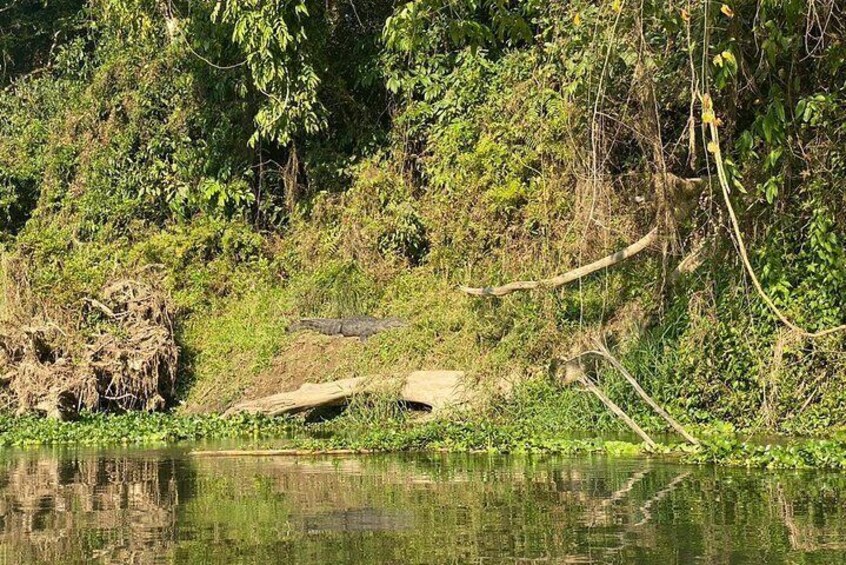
570, 276
434, 389
309, 395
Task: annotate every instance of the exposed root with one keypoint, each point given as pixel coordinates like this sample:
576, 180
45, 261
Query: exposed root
129, 363
135, 367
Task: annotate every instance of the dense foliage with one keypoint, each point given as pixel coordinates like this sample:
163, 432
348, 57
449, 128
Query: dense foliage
295, 157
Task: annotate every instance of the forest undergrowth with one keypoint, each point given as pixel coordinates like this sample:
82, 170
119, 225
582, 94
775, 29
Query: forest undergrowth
253, 162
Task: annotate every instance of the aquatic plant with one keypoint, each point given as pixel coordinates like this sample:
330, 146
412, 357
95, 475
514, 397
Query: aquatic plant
136, 428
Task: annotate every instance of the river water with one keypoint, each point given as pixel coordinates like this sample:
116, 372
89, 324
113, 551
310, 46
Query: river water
169, 506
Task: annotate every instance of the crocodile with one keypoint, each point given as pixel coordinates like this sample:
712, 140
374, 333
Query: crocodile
361, 327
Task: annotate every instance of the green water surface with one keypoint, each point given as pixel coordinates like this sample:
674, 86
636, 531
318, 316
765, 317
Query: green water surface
169, 506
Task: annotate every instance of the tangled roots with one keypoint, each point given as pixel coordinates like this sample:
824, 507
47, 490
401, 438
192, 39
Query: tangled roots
126, 359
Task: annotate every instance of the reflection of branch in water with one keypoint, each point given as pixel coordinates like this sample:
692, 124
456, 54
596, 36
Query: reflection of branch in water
627, 486
793, 532
601, 511
646, 508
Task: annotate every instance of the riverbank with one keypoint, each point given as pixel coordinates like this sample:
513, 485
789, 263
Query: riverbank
136, 428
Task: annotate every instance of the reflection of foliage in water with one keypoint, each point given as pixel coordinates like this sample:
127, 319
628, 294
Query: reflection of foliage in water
63, 509
139, 507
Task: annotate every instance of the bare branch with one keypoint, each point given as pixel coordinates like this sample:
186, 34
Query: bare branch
570, 276
591, 386
603, 352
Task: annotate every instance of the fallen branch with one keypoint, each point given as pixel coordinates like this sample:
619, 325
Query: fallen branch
585, 381
591, 386
605, 354
570, 276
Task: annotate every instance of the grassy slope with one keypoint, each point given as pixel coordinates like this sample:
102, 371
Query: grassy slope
244, 345
243, 349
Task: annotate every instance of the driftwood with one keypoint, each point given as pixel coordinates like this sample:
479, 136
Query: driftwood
279, 452
570, 276
435, 389
358, 326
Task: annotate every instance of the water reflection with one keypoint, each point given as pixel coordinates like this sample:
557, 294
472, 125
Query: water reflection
168, 506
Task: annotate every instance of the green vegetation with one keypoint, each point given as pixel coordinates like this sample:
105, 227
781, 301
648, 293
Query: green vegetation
540, 419
257, 161
137, 428
474, 436
513, 436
